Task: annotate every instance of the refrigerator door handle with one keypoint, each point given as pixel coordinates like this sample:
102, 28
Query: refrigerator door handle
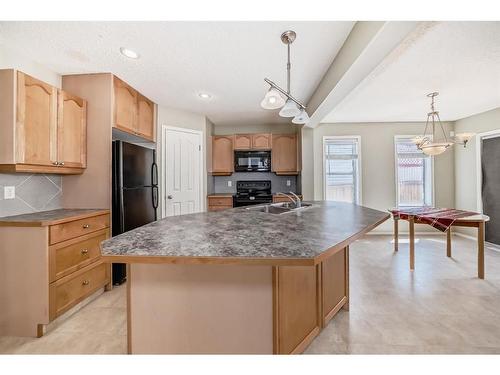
154, 191
122, 212
154, 174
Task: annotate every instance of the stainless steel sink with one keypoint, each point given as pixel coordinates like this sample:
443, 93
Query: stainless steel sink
279, 208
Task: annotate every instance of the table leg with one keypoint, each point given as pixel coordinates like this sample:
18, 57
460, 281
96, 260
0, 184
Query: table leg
396, 222
480, 250
448, 242
412, 243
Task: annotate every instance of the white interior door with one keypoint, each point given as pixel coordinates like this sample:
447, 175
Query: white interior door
182, 171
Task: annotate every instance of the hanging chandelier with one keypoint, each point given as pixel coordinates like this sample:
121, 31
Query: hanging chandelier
276, 97
429, 143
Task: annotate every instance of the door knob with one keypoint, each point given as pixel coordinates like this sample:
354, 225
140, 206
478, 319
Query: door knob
169, 197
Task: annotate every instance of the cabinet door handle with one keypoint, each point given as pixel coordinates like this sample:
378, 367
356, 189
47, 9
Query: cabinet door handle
84, 251
61, 163
86, 226
85, 282
55, 163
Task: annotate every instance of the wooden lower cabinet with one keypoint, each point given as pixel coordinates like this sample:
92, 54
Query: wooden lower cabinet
296, 302
219, 203
306, 298
68, 291
48, 267
335, 284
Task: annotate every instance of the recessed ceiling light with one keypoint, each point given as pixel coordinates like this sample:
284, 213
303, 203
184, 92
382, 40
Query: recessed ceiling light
204, 95
129, 53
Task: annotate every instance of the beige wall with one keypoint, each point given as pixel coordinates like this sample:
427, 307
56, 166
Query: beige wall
188, 120
377, 164
466, 193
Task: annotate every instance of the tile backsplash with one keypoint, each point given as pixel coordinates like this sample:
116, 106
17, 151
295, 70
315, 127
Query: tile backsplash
34, 192
278, 183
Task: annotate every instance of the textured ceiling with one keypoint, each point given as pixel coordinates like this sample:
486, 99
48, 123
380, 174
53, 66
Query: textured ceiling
179, 59
461, 60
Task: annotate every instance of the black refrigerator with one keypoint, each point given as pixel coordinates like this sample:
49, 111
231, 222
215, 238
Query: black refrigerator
135, 192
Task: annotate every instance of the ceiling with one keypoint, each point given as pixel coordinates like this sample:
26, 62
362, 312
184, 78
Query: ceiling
228, 60
461, 60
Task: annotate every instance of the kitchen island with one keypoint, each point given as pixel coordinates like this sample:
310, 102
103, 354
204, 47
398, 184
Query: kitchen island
239, 280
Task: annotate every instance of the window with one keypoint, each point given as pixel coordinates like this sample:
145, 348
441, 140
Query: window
413, 174
342, 166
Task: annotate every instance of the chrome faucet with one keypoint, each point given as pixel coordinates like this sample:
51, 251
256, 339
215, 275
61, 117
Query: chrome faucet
296, 201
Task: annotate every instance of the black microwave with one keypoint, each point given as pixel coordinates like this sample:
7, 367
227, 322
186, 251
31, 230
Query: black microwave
252, 161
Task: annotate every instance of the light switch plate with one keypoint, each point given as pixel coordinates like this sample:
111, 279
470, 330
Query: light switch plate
9, 192
288, 183
230, 183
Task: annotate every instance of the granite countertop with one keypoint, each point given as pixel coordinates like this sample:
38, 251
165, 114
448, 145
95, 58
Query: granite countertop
239, 235
52, 217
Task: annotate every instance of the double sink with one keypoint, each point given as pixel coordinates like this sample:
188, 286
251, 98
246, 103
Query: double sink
280, 208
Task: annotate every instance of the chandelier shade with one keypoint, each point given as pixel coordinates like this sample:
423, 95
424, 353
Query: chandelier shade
301, 118
290, 109
272, 99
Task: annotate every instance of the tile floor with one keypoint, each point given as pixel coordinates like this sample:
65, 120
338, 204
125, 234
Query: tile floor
440, 308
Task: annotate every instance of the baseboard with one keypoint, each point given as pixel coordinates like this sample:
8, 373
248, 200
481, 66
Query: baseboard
421, 233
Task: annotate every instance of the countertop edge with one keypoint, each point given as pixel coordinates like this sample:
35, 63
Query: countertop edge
43, 223
157, 259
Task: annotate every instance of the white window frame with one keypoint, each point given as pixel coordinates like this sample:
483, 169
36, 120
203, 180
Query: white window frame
359, 173
396, 137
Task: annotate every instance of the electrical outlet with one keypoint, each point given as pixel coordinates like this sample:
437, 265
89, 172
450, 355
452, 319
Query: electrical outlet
9, 192
230, 183
288, 183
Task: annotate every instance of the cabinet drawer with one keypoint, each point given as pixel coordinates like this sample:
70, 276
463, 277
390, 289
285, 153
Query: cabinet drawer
220, 201
72, 229
69, 256
70, 290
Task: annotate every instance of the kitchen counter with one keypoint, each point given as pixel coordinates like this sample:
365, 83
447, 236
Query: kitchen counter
243, 235
239, 280
228, 195
45, 218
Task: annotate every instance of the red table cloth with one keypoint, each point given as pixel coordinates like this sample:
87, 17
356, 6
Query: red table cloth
439, 218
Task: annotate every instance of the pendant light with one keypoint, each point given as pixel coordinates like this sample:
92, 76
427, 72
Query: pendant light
301, 118
290, 109
274, 97
429, 143
272, 100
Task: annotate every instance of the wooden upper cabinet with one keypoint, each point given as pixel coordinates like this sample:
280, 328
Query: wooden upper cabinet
42, 129
125, 106
252, 141
261, 141
145, 117
36, 133
243, 141
71, 130
134, 113
284, 155
222, 154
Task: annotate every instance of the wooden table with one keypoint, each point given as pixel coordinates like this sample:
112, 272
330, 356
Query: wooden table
474, 221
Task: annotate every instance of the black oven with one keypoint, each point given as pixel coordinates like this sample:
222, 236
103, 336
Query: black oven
252, 161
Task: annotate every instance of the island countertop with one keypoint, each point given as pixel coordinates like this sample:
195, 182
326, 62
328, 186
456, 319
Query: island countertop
242, 236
